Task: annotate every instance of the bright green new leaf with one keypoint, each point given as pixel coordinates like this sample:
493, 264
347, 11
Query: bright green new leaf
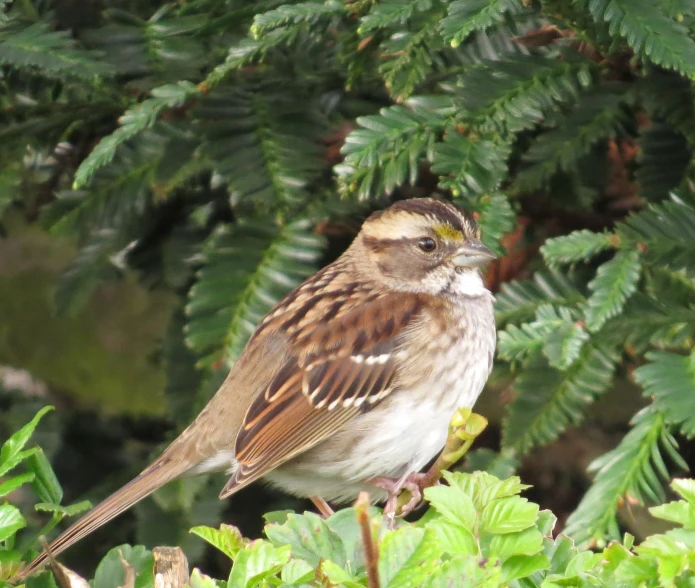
11, 520
407, 556
227, 539
258, 561
454, 539
521, 566
508, 515
454, 505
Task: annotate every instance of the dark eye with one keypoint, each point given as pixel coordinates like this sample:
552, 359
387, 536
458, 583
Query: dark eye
427, 244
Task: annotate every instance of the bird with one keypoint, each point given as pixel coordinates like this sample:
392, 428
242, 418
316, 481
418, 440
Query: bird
350, 381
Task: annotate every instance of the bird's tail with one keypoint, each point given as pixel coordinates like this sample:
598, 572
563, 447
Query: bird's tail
154, 476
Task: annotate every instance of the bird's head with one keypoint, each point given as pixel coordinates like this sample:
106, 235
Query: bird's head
425, 245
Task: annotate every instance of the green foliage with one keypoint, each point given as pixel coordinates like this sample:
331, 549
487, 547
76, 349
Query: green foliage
208, 148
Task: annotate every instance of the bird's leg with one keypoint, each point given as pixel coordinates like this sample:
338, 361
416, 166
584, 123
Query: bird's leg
322, 506
464, 428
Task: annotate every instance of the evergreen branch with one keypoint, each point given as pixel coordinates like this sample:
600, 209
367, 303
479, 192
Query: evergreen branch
392, 13
663, 160
615, 281
665, 232
497, 218
597, 116
631, 471
133, 121
471, 166
519, 300
247, 270
516, 94
303, 12
53, 53
577, 246
669, 379
547, 401
467, 16
649, 31
386, 150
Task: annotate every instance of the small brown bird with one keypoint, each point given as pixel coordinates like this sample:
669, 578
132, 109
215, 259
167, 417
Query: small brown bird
350, 381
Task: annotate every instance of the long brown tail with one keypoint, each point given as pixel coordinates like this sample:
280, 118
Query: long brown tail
156, 475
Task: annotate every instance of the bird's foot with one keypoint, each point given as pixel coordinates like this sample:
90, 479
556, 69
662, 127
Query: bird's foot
405, 495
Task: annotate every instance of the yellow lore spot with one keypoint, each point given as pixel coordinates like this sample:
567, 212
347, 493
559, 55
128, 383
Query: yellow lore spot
446, 231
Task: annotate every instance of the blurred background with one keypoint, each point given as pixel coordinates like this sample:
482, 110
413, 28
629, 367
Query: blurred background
169, 170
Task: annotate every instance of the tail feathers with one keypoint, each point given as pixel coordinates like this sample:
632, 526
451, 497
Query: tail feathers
155, 476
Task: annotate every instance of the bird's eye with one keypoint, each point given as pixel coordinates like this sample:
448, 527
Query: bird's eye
427, 244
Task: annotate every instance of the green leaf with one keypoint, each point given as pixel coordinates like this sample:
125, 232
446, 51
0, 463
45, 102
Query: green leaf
11, 521
465, 572
497, 218
67, 511
470, 166
669, 379
227, 539
649, 31
679, 511
407, 556
685, 488
547, 400
615, 281
293, 14
466, 16
200, 580
336, 575
135, 120
10, 485
526, 542
577, 246
389, 13
522, 566
298, 571
11, 453
635, 467
248, 268
453, 538
110, 572
508, 515
453, 504
258, 561
310, 538
45, 483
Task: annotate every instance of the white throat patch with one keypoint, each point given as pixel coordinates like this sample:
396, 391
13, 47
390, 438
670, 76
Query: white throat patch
468, 283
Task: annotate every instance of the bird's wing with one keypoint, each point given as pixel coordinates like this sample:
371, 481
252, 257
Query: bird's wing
339, 369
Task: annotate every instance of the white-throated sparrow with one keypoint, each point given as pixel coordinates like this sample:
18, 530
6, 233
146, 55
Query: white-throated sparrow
350, 381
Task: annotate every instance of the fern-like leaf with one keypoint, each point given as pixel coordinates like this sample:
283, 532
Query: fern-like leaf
615, 281
519, 300
53, 53
669, 379
133, 121
288, 14
390, 13
649, 31
634, 469
470, 166
577, 246
548, 400
663, 161
247, 270
497, 218
466, 16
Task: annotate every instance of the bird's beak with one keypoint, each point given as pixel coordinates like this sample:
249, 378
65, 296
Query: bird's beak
472, 254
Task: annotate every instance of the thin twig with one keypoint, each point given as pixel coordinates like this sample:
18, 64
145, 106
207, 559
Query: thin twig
371, 551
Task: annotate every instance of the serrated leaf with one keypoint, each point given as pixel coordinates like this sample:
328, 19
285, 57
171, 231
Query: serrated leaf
526, 542
453, 504
9, 486
11, 521
298, 571
685, 488
508, 515
258, 561
337, 575
110, 572
45, 482
615, 281
12, 448
310, 538
407, 556
66, 511
227, 539
521, 566
466, 572
454, 539
669, 379
200, 580
679, 511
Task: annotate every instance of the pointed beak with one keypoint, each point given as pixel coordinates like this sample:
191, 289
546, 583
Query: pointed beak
472, 254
